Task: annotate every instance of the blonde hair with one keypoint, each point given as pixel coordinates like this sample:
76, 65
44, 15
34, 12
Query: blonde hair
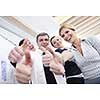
66, 26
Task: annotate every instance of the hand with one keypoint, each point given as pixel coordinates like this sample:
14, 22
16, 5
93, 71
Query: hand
46, 59
56, 67
24, 69
26, 44
50, 50
56, 55
15, 54
66, 55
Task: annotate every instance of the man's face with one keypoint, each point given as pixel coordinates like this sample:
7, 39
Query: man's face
43, 41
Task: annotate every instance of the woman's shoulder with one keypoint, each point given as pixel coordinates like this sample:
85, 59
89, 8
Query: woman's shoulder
93, 38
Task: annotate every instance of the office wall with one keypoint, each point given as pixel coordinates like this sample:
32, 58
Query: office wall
7, 41
12, 35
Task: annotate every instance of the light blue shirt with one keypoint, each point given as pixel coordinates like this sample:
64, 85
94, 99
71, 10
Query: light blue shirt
89, 63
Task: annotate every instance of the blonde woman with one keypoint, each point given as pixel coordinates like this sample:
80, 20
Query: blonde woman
86, 53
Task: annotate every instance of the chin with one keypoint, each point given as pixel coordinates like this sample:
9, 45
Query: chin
70, 41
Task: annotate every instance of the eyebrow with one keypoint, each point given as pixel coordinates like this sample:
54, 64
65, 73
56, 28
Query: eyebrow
44, 39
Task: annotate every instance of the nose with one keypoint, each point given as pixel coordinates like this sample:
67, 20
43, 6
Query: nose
65, 37
44, 41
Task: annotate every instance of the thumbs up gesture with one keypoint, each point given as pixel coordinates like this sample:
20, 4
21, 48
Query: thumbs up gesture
24, 68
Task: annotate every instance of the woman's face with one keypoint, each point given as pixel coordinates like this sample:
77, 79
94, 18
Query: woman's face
57, 42
68, 35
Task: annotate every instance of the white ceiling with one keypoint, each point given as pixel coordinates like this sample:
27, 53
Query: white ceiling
84, 25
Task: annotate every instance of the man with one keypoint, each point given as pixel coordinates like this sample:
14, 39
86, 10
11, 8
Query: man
24, 69
43, 43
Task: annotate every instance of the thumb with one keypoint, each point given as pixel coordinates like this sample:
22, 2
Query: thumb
42, 48
23, 46
28, 60
50, 50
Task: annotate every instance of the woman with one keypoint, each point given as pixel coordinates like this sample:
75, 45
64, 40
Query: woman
86, 53
72, 71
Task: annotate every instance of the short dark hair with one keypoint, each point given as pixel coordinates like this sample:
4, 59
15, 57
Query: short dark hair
41, 34
21, 42
51, 40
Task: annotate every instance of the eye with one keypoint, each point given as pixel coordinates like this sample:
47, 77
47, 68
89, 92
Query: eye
66, 31
62, 35
46, 40
41, 40
57, 39
32, 47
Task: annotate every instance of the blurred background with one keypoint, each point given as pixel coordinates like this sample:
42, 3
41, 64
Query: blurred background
15, 28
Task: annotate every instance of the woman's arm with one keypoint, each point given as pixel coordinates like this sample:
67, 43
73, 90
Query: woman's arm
95, 42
